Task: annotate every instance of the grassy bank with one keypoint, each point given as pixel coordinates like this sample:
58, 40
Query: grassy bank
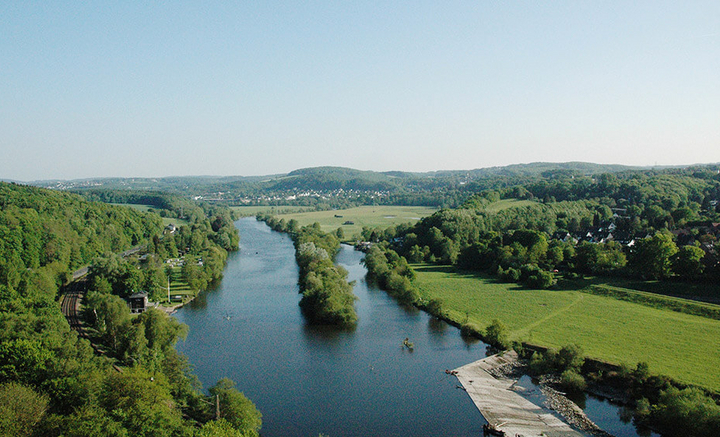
678, 345
370, 216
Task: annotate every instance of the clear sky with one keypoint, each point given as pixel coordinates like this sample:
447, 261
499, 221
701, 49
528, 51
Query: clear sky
142, 89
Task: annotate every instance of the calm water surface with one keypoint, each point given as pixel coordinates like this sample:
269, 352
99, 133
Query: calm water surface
308, 380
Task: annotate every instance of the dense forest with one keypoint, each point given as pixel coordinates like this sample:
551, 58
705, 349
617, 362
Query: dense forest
51, 381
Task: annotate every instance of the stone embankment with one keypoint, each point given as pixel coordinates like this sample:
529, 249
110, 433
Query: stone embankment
490, 383
574, 415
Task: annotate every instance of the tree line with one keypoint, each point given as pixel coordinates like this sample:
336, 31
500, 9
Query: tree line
327, 297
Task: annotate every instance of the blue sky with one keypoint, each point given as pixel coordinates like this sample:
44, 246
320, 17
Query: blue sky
93, 89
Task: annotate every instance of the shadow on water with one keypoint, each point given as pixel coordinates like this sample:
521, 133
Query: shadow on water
325, 334
201, 300
308, 379
437, 326
610, 417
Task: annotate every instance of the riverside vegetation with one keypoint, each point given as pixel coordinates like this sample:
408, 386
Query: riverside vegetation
51, 381
546, 273
327, 297
563, 239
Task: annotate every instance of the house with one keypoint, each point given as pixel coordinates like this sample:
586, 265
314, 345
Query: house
170, 229
563, 236
138, 302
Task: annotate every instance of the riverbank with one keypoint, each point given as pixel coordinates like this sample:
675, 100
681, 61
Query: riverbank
309, 380
678, 345
491, 383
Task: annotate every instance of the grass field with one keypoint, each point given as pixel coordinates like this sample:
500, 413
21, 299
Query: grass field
370, 216
681, 346
508, 203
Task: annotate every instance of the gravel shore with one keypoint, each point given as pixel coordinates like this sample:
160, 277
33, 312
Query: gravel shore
554, 399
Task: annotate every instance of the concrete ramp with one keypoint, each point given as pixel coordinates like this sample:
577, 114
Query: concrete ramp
505, 409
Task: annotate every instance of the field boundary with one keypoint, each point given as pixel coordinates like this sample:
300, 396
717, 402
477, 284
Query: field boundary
653, 300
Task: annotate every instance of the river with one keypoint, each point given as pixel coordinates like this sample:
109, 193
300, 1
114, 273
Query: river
307, 380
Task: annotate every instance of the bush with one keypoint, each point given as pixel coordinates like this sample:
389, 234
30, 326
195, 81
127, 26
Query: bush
540, 280
510, 275
570, 357
686, 412
434, 307
496, 334
572, 381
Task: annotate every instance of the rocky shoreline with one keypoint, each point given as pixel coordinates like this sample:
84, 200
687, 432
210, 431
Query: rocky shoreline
554, 399
569, 410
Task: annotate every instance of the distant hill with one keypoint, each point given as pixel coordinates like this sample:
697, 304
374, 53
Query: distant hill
326, 176
341, 187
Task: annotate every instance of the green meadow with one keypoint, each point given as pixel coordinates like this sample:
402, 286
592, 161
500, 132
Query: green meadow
681, 346
508, 203
370, 216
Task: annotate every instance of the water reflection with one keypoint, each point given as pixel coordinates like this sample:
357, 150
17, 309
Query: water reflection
325, 335
437, 326
308, 380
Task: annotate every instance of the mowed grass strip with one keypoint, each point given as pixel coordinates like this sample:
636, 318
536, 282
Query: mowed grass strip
371, 216
682, 346
178, 285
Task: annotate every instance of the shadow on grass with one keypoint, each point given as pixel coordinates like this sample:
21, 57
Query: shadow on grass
698, 291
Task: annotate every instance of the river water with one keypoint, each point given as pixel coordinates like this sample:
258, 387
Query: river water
307, 380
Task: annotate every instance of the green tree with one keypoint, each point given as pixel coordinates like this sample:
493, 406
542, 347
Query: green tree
236, 409
686, 412
218, 428
652, 256
111, 316
141, 402
496, 334
687, 262
21, 409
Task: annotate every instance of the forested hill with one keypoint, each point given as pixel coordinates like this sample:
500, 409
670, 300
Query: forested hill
51, 381
341, 187
43, 230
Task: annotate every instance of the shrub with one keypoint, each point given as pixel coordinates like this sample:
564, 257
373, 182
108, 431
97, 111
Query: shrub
540, 280
572, 381
496, 334
509, 275
686, 412
570, 357
434, 307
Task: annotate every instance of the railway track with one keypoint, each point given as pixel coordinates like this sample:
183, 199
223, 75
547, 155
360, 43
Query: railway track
70, 305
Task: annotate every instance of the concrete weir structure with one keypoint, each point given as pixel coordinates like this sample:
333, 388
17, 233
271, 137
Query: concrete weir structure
505, 409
